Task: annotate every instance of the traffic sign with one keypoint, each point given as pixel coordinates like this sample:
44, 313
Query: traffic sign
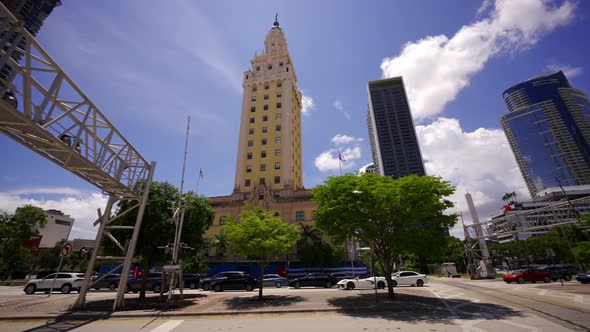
66, 250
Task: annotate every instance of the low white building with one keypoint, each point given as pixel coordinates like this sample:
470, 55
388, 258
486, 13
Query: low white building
57, 228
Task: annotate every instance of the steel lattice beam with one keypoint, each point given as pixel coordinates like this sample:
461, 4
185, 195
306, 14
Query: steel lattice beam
558, 214
42, 109
57, 120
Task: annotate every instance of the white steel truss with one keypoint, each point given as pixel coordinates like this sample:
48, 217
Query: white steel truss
558, 214
43, 109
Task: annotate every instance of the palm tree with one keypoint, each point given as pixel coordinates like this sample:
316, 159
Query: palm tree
309, 234
220, 242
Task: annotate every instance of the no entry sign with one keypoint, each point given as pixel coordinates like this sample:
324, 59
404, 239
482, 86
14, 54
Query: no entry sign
66, 250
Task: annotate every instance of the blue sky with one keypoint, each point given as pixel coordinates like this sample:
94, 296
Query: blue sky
148, 65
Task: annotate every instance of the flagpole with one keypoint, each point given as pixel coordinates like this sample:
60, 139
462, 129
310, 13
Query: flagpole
340, 162
198, 181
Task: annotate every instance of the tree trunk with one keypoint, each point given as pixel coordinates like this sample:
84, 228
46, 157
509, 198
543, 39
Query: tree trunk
387, 266
260, 298
144, 277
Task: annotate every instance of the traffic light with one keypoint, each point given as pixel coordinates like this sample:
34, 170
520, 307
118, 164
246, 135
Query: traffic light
86, 252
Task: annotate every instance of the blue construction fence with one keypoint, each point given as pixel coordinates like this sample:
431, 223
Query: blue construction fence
292, 270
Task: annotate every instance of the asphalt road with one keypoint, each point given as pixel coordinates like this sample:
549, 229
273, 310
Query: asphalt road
460, 305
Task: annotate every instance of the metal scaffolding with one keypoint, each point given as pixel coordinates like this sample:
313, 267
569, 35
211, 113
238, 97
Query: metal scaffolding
44, 110
541, 219
558, 214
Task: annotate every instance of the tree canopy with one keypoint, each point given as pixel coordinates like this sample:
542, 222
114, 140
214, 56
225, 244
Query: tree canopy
21, 226
260, 234
404, 215
157, 229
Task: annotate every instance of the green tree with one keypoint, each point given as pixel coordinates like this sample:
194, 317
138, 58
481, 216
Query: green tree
220, 242
582, 253
22, 225
396, 215
314, 252
454, 252
157, 228
260, 234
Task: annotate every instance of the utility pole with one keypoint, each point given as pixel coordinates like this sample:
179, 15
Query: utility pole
179, 221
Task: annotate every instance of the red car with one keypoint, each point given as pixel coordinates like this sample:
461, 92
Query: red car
528, 275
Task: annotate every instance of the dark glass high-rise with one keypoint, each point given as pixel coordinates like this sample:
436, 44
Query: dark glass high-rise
548, 128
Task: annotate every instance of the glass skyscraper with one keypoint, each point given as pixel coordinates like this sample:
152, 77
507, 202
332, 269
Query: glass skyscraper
548, 128
392, 135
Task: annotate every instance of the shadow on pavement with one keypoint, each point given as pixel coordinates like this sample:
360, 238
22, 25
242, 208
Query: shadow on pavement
413, 308
62, 324
149, 303
269, 301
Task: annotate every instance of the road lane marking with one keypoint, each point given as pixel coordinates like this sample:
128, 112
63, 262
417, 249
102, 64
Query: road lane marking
168, 326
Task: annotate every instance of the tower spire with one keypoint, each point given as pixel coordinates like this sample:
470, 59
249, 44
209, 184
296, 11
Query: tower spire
276, 23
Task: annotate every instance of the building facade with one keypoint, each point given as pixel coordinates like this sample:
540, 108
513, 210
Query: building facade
392, 135
32, 14
57, 228
269, 164
548, 129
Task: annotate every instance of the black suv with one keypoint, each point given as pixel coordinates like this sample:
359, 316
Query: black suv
561, 271
235, 281
337, 276
315, 280
205, 283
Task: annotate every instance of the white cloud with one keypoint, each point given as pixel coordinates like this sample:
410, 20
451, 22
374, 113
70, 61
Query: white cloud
436, 68
569, 71
339, 106
57, 190
480, 162
328, 161
307, 105
341, 139
81, 207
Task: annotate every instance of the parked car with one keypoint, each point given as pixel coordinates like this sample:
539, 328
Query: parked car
408, 278
235, 281
65, 283
111, 282
342, 275
272, 280
527, 275
205, 283
191, 280
154, 283
362, 283
584, 277
561, 271
313, 279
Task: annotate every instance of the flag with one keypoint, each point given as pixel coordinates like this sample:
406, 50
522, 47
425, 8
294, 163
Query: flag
201, 173
340, 157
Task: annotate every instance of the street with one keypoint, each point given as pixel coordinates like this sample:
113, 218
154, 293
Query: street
441, 305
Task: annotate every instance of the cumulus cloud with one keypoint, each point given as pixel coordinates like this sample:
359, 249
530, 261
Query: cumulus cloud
328, 161
340, 139
569, 71
479, 162
307, 105
80, 206
436, 68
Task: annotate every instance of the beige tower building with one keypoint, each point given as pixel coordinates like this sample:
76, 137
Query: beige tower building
269, 166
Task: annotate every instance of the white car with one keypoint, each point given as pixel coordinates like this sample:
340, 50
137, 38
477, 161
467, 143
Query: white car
65, 283
363, 283
408, 278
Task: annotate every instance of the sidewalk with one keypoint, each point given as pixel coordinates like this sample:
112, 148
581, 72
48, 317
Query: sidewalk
200, 303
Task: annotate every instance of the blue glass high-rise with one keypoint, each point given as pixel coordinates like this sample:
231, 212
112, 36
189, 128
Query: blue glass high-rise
548, 128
